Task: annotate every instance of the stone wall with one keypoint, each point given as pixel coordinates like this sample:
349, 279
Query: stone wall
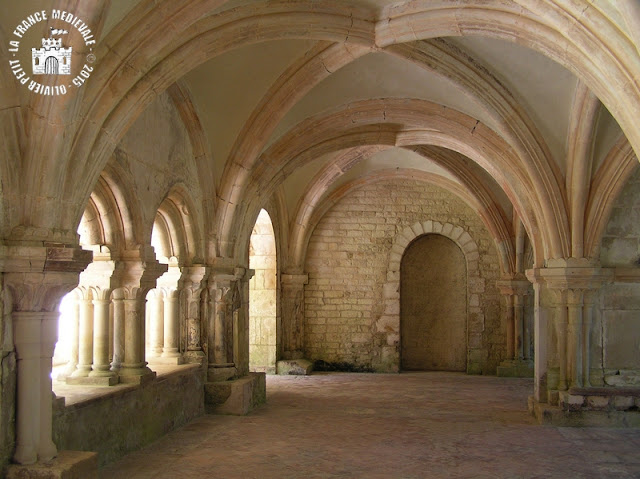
129, 417
7, 384
348, 258
616, 332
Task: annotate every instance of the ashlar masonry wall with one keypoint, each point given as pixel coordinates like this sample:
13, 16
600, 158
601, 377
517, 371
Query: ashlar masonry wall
615, 338
353, 257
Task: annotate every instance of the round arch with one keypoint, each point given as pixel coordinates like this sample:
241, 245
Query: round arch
387, 327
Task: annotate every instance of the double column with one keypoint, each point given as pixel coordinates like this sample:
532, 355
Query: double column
514, 292
37, 279
194, 284
227, 325
137, 274
90, 349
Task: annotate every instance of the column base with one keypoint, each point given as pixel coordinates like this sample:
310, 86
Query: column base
67, 465
173, 361
589, 407
221, 372
93, 381
236, 397
194, 357
136, 375
515, 368
294, 367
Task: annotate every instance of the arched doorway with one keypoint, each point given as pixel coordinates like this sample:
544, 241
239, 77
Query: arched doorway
262, 296
433, 305
51, 66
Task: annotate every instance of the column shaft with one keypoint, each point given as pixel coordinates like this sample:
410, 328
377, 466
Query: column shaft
118, 334
101, 339
171, 326
561, 325
27, 337
518, 310
574, 339
49, 333
85, 350
156, 322
511, 349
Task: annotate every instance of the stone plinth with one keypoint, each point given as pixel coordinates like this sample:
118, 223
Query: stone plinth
93, 381
236, 397
294, 367
67, 465
141, 379
590, 407
515, 368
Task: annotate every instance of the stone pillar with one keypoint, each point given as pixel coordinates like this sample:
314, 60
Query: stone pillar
220, 335
587, 321
155, 312
37, 278
241, 320
134, 366
571, 283
136, 274
73, 336
560, 323
511, 328
118, 330
293, 315
227, 324
518, 363
85, 334
171, 348
574, 337
101, 367
193, 284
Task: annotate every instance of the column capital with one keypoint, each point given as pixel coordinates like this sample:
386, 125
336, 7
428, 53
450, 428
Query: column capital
195, 276
38, 277
137, 271
571, 274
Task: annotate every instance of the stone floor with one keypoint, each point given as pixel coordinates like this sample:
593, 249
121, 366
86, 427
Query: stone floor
415, 425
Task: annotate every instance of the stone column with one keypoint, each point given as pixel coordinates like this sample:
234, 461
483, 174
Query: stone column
118, 330
511, 328
571, 283
73, 335
171, 348
37, 278
220, 336
293, 315
225, 320
560, 322
587, 321
193, 284
574, 337
518, 363
85, 334
134, 366
101, 367
155, 311
136, 274
241, 320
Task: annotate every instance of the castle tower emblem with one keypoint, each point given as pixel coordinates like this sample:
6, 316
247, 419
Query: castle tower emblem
52, 58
